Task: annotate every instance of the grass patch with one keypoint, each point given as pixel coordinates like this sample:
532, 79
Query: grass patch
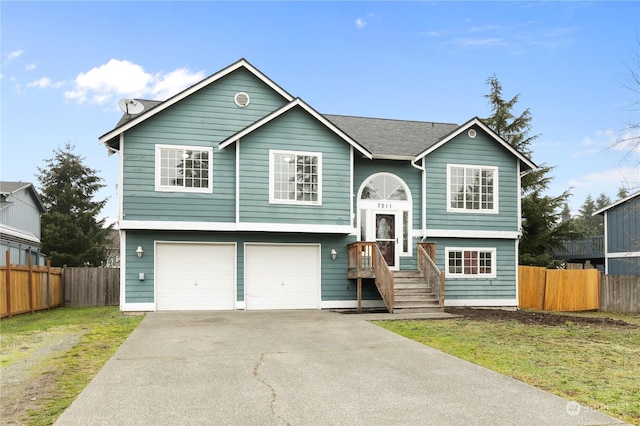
595, 365
95, 333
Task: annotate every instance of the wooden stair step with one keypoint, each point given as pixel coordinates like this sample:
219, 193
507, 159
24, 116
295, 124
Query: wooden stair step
423, 310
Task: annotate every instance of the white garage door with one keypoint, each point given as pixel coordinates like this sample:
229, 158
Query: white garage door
195, 276
282, 276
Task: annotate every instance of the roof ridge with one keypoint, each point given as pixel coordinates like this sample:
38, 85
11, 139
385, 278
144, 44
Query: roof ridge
391, 119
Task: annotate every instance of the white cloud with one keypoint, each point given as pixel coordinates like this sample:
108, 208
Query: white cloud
30, 67
612, 178
360, 23
169, 84
629, 141
13, 55
121, 78
44, 83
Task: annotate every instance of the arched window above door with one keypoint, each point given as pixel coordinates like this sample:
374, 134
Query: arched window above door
384, 187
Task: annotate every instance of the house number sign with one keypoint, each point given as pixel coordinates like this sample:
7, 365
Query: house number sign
385, 205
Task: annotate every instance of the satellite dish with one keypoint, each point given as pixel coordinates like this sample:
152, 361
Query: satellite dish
130, 106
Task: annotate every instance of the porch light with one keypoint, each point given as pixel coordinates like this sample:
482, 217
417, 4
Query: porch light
334, 254
139, 251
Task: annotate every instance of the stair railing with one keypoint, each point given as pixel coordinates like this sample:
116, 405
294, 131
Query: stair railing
366, 261
432, 275
383, 278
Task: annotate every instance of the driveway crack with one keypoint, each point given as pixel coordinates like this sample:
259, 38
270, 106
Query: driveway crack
274, 394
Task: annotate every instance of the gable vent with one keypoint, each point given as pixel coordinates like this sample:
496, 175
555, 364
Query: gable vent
241, 99
472, 133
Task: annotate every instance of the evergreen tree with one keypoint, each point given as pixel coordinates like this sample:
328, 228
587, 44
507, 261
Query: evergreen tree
622, 193
589, 224
72, 234
542, 227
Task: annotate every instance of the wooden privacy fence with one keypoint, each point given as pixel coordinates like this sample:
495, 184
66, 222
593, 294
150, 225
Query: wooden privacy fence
92, 287
29, 288
620, 293
558, 289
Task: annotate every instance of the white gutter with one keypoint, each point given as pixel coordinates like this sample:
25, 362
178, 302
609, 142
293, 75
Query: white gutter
423, 204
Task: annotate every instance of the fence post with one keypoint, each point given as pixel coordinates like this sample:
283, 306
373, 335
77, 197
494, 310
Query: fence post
63, 286
30, 263
8, 257
49, 295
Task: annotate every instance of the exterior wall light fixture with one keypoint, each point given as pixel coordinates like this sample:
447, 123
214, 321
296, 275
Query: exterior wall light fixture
139, 251
334, 254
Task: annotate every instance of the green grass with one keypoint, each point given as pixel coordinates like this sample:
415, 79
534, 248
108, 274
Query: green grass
596, 366
99, 332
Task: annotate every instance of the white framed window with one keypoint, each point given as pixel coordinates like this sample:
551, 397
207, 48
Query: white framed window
184, 168
470, 262
295, 177
472, 189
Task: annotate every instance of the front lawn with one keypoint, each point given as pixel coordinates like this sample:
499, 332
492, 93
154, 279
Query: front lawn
48, 358
586, 358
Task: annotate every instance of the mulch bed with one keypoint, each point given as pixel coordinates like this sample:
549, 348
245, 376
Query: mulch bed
537, 318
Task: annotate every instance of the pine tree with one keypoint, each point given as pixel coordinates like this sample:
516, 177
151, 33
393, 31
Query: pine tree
72, 234
542, 227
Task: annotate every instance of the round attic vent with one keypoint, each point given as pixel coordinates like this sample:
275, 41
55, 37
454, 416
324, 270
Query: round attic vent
472, 133
241, 99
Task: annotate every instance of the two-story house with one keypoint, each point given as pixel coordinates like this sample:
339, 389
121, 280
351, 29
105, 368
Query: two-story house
20, 211
234, 194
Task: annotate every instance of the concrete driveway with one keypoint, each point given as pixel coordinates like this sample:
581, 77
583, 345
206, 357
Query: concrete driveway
301, 368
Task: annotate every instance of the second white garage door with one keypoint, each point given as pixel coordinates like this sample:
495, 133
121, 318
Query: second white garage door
191, 276
282, 276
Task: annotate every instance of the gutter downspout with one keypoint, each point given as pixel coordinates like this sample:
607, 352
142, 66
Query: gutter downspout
423, 203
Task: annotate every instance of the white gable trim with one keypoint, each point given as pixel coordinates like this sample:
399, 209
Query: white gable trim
297, 102
477, 122
242, 63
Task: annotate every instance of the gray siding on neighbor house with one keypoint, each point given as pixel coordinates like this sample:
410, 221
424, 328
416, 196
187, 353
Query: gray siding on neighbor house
624, 266
480, 151
295, 130
23, 212
623, 227
203, 119
334, 285
500, 287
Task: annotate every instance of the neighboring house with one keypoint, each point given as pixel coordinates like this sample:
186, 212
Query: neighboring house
233, 194
20, 210
622, 236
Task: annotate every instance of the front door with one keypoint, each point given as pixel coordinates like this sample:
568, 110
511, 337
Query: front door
385, 237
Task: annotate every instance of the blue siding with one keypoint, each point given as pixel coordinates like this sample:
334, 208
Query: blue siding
203, 119
334, 285
503, 286
480, 151
296, 130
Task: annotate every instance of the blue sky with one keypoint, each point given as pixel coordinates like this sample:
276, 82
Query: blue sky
65, 65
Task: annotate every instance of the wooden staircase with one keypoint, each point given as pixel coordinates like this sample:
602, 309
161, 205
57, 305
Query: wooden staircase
411, 294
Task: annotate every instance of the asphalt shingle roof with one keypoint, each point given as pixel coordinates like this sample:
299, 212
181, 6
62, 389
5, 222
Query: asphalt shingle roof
386, 137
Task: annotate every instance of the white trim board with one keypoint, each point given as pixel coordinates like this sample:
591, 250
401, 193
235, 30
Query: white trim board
452, 233
481, 302
138, 307
157, 225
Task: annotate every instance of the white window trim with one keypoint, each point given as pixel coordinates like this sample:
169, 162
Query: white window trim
272, 199
399, 206
496, 190
494, 265
161, 188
